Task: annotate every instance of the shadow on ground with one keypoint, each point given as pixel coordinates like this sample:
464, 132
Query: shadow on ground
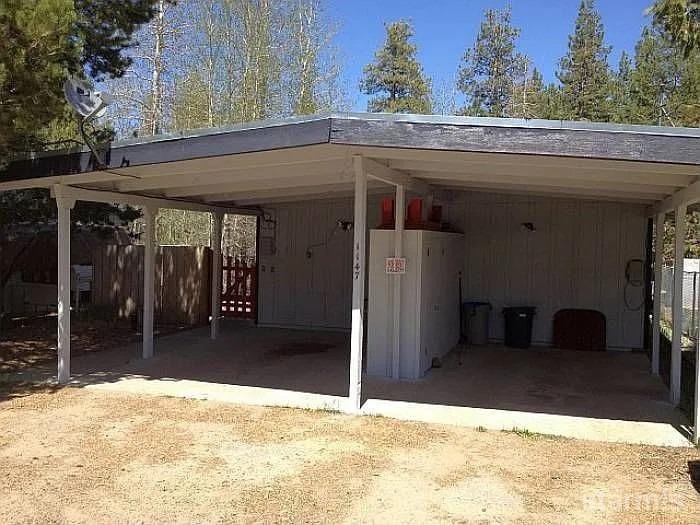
15, 389
694, 473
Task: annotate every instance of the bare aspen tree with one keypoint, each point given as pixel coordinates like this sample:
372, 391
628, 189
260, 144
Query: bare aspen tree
143, 96
154, 120
312, 70
232, 61
444, 97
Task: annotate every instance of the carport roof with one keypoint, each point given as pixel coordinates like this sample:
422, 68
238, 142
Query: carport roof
296, 158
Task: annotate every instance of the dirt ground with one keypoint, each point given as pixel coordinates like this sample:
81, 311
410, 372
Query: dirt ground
34, 342
84, 456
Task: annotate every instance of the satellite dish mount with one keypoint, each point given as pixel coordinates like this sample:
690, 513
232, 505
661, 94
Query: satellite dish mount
90, 105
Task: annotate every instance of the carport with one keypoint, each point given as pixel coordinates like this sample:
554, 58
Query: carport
490, 175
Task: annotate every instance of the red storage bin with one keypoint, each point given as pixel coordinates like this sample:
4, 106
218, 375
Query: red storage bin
576, 329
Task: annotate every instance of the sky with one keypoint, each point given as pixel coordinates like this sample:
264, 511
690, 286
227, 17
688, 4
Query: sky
444, 29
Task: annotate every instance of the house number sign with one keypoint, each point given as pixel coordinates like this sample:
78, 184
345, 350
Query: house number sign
395, 265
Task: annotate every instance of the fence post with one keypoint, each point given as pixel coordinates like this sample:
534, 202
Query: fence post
217, 220
149, 271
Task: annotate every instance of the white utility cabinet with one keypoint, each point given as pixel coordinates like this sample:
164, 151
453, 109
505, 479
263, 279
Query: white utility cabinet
429, 324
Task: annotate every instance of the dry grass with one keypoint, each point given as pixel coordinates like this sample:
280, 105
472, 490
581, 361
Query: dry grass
85, 456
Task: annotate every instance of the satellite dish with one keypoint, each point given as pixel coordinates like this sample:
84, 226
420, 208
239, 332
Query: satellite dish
90, 105
84, 99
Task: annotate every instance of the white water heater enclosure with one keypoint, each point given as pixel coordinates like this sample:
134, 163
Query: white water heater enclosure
429, 300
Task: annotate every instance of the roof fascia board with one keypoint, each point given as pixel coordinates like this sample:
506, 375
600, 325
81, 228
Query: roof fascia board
595, 144
173, 149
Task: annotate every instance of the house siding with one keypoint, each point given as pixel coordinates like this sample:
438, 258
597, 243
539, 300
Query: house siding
575, 258
315, 292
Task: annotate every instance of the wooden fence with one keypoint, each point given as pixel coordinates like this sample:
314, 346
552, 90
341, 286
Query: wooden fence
182, 282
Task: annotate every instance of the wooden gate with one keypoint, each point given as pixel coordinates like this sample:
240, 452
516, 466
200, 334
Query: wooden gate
239, 289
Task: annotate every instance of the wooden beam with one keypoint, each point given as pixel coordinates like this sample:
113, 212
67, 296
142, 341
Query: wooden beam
239, 197
212, 171
530, 188
379, 171
327, 177
686, 196
111, 197
329, 195
83, 178
655, 191
358, 286
528, 169
447, 194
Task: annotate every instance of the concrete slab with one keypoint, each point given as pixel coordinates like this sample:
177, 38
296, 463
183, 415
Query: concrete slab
610, 430
242, 395
608, 396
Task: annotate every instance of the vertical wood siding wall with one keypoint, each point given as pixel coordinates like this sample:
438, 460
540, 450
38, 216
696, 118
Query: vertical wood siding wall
575, 258
182, 282
299, 291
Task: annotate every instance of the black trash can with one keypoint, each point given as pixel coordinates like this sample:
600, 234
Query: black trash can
518, 330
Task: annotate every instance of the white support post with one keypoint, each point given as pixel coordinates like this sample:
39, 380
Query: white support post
149, 215
658, 275
399, 215
64, 207
679, 254
358, 286
217, 220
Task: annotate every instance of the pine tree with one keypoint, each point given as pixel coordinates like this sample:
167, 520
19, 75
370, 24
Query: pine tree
583, 71
35, 58
551, 103
621, 90
655, 79
527, 99
105, 29
395, 78
681, 20
492, 69
43, 41
689, 91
